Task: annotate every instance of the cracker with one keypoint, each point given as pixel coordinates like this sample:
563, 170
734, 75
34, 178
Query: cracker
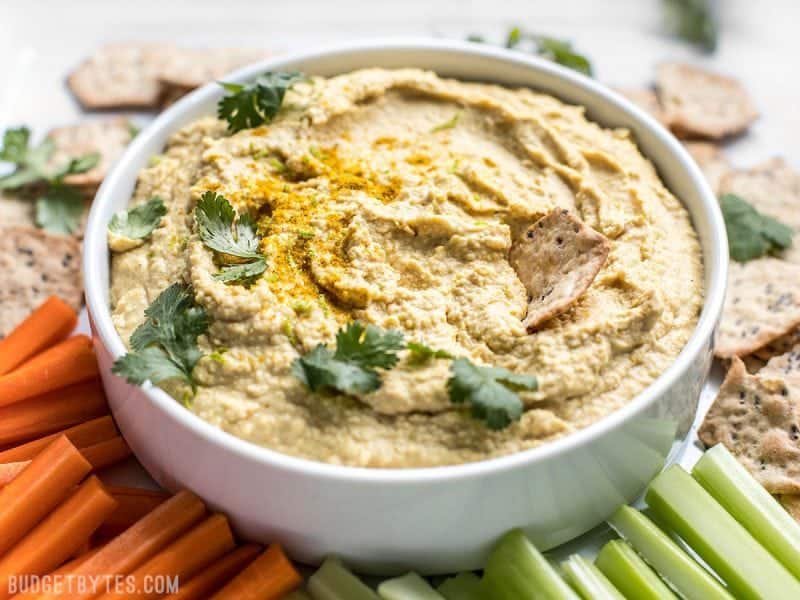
647, 100
190, 68
556, 259
698, 103
712, 162
792, 505
108, 137
758, 420
786, 365
121, 75
761, 305
35, 265
15, 210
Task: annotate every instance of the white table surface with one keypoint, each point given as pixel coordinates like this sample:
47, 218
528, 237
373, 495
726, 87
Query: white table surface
41, 40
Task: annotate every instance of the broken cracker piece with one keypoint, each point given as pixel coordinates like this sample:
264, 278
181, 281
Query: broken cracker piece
786, 365
121, 75
757, 419
762, 304
647, 100
556, 259
712, 162
698, 103
107, 137
35, 265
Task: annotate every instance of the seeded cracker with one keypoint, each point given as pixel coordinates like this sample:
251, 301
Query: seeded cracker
712, 162
701, 104
756, 418
786, 365
556, 259
35, 265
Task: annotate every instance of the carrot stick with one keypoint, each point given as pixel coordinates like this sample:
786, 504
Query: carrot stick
40, 487
106, 453
183, 558
82, 436
132, 505
269, 577
51, 412
141, 542
9, 471
202, 585
47, 325
66, 363
58, 536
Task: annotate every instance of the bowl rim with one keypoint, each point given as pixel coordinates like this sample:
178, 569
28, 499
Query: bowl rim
715, 268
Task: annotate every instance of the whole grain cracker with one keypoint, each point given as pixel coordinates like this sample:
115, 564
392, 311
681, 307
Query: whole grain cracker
107, 137
556, 259
647, 100
712, 162
761, 305
15, 210
35, 265
698, 103
121, 75
786, 365
758, 420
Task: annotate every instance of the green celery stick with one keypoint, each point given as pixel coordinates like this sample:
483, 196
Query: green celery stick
464, 586
748, 502
297, 595
630, 574
745, 566
408, 587
588, 580
516, 570
333, 581
685, 576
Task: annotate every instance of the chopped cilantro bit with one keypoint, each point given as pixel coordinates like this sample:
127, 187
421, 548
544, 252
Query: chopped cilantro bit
306, 235
256, 103
278, 165
752, 234
301, 307
422, 353
139, 222
154, 160
449, 124
489, 391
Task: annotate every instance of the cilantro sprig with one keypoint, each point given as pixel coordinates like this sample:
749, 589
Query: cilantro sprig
752, 234
139, 222
352, 367
59, 207
694, 21
236, 240
489, 391
165, 345
256, 103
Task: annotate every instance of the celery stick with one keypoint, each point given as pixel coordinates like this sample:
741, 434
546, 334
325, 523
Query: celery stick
408, 587
464, 586
588, 580
333, 581
685, 576
297, 595
748, 502
630, 574
748, 569
516, 570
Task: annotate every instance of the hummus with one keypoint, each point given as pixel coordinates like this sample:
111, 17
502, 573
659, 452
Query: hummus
394, 197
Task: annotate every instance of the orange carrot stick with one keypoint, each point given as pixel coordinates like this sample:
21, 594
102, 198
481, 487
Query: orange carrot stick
138, 544
106, 453
82, 436
183, 558
202, 585
269, 577
58, 536
47, 325
51, 412
132, 505
9, 471
67, 363
40, 487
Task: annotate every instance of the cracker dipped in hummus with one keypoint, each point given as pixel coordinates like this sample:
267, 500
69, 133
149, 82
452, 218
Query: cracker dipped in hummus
499, 229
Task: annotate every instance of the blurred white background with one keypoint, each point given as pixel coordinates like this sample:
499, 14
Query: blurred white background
41, 40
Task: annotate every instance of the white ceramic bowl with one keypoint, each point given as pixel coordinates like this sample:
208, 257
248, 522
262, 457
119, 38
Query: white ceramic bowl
434, 520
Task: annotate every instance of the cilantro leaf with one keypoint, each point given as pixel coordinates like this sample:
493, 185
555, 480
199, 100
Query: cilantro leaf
255, 103
422, 353
165, 345
562, 53
76, 165
490, 391
752, 234
29, 162
15, 145
351, 368
140, 221
221, 231
59, 210
694, 21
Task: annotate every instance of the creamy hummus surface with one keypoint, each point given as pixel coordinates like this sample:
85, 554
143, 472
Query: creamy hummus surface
393, 197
